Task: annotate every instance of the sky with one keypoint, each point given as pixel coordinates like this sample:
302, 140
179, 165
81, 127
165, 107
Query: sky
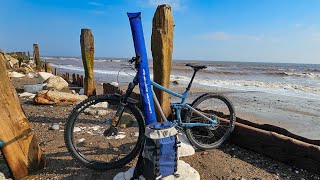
283, 31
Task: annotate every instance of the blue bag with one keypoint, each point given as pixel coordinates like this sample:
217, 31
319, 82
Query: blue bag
159, 155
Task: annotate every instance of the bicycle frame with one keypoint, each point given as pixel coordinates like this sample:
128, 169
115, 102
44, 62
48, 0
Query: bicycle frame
179, 106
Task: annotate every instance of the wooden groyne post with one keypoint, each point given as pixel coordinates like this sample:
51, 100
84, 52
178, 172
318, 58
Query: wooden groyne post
162, 47
47, 67
20, 149
36, 56
87, 53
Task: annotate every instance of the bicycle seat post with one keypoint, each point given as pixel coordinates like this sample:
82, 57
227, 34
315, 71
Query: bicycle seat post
194, 74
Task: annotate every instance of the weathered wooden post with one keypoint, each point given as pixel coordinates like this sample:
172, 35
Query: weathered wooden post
87, 53
78, 80
47, 67
20, 149
161, 47
36, 56
55, 71
28, 58
74, 79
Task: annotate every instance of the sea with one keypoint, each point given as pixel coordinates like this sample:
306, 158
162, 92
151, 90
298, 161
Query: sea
297, 80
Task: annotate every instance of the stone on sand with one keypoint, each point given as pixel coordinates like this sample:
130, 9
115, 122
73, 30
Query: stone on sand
33, 88
54, 97
56, 82
44, 76
27, 94
15, 75
185, 171
185, 149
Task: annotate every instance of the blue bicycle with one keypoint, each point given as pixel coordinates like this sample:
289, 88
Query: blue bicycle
106, 131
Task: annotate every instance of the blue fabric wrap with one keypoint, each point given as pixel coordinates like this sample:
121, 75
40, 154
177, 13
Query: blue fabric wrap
167, 156
143, 69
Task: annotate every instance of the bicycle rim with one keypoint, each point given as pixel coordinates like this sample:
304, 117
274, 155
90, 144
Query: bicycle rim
216, 107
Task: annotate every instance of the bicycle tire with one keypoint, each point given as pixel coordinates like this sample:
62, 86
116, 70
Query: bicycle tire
194, 133
87, 156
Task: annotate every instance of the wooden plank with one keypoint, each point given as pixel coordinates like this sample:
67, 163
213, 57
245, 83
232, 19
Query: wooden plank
21, 150
279, 147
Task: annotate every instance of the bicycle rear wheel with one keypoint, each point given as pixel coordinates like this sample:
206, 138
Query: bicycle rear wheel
216, 107
84, 133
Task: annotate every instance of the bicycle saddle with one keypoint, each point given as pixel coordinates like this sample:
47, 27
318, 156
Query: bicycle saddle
195, 67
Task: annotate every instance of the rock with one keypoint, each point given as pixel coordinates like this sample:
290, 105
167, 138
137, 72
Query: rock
11, 59
95, 128
127, 120
44, 76
115, 84
90, 111
120, 135
102, 112
15, 74
110, 88
81, 140
175, 82
76, 129
31, 75
23, 70
33, 88
27, 94
186, 149
100, 105
185, 171
54, 127
56, 82
54, 97
81, 91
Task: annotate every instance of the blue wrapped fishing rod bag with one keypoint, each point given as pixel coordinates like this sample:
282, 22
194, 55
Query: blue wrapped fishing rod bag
160, 152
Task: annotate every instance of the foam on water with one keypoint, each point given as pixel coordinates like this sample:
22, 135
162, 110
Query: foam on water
310, 92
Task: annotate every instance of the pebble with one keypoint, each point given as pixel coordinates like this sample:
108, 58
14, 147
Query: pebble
76, 129
81, 140
204, 153
54, 127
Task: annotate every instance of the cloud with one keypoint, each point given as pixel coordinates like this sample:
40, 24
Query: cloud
298, 25
96, 4
175, 4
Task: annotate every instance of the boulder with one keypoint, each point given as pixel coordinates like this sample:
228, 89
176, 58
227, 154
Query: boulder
12, 60
185, 149
56, 82
15, 74
55, 97
44, 76
23, 70
185, 171
27, 94
33, 88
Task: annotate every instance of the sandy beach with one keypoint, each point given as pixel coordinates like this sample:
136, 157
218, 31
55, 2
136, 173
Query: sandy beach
227, 162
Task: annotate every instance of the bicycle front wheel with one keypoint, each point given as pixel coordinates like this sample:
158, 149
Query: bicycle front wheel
85, 133
216, 107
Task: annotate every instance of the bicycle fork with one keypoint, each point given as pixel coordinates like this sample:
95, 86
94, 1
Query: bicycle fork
113, 130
